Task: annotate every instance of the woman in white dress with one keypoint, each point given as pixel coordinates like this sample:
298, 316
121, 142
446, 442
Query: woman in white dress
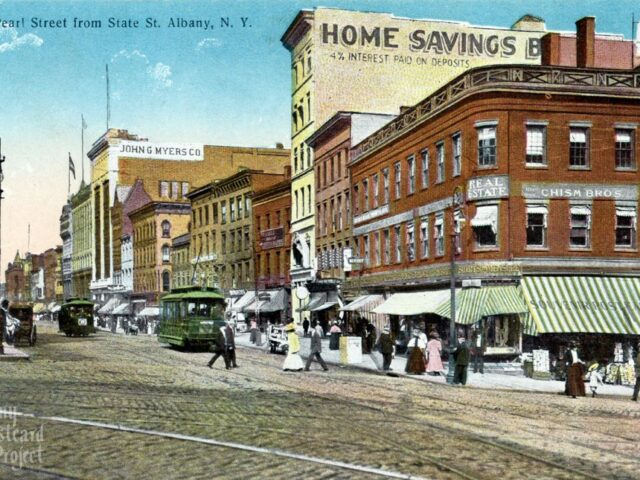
293, 362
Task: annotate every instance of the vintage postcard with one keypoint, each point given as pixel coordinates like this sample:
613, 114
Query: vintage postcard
349, 240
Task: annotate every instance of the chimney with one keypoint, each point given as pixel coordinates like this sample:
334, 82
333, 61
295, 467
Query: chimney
287, 171
550, 49
585, 42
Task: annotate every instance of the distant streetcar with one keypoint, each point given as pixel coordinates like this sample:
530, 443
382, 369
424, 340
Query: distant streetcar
76, 317
191, 317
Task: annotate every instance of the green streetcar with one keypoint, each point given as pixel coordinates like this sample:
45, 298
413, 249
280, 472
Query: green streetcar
76, 317
191, 317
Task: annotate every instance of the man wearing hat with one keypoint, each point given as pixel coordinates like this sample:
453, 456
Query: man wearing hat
636, 389
385, 344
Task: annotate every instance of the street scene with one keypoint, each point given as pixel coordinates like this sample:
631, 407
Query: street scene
370, 239
306, 425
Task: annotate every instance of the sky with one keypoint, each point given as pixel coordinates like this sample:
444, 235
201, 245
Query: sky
221, 86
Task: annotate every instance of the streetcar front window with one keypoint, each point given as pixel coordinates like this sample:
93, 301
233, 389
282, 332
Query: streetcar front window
204, 309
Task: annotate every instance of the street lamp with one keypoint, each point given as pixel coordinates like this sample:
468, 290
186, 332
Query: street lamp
458, 201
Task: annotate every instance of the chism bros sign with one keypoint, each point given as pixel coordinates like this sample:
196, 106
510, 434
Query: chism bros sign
161, 151
435, 42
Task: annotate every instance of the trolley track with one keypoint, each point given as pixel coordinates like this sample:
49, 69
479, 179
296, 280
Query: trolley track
408, 423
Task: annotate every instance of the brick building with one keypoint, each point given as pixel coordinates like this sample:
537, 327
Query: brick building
524, 180
181, 267
222, 228
169, 171
81, 247
18, 278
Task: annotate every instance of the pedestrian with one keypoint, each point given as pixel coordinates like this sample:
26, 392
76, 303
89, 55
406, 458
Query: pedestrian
415, 361
574, 386
478, 349
371, 337
461, 357
334, 339
4, 311
305, 327
595, 379
253, 327
316, 347
386, 348
434, 354
636, 389
219, 349
230, 344
292, 362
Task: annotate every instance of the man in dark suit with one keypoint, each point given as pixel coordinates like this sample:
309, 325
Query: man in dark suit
230, 344
219, 349
385, 344
316, 347
461, 356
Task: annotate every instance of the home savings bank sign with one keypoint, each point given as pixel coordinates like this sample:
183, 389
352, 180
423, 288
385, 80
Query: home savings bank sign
488, 43
161, 151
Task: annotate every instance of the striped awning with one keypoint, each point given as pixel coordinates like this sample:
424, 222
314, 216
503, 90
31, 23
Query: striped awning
472, 304
579, 304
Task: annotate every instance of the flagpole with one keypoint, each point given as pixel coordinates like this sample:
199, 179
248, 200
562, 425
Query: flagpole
82, 152
108, 104
69, 175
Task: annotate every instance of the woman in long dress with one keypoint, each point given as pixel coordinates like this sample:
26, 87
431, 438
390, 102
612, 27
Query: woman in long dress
293, 362
574, 386
434, 352
415, 362
334, 339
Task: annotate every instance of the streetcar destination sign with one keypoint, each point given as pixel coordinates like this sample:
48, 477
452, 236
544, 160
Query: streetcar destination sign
353, 260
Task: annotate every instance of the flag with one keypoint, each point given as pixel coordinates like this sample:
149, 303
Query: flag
84, 124
72, 167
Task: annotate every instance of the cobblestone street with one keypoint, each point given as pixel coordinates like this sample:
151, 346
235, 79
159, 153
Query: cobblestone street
140, 396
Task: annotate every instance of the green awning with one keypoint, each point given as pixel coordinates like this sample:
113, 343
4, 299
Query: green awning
579, 304
472, 304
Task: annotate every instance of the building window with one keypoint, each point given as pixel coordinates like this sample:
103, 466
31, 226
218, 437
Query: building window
536, 145
387, 246
347, 207
375, 190
366, 249
385, 186
223, 212
356, 199
215, 212
411, 169
175, 187
397, 171
239, 203
440, 163
302, 200
247, 206
166, 253
578, 147
626, 227
309, 198
424, 237
411, 242
376, 248
625, 158
537, 225
185, 189
398, 244
580, 225
166, 281
164, 189
365, 188
485, 226
457, 154
297, 205
339, 213
425, 168
438, 234
295, 157
487, 146
166, 229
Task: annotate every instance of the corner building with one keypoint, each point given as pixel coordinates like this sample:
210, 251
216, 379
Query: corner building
524, 180
374, 62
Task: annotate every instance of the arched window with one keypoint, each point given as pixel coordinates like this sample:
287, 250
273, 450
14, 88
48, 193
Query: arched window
166, 281
166, 253
166, 229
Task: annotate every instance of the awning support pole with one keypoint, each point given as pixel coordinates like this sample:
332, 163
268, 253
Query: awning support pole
452, 323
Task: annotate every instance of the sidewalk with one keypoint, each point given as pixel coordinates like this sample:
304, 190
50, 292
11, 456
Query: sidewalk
12, 354
477, 380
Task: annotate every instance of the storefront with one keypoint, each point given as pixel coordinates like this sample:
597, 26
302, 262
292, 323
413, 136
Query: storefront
325, 307
601, 314
271, 307
360, 310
